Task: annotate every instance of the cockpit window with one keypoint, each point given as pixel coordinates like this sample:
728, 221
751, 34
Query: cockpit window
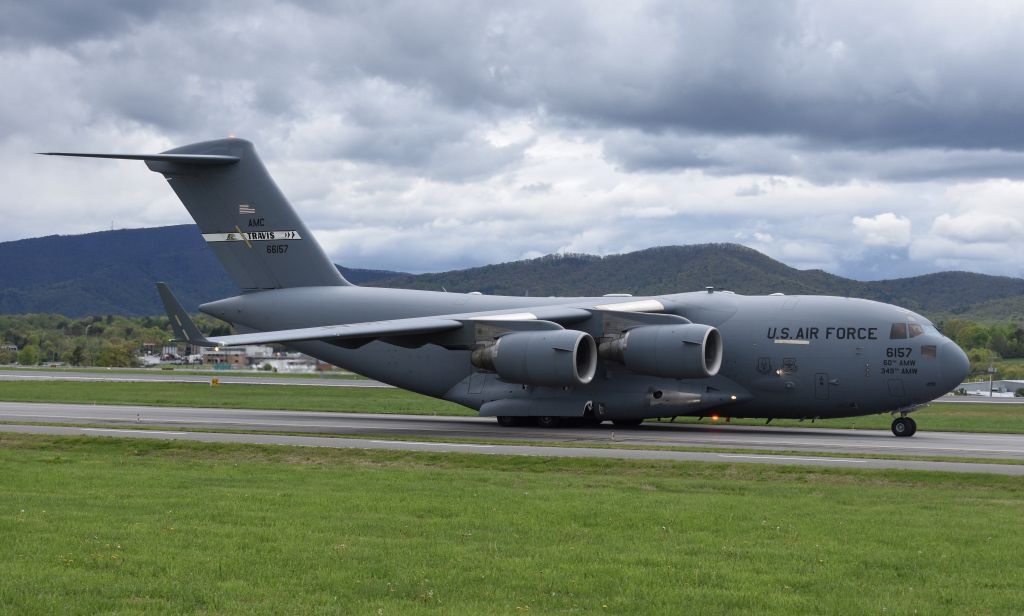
928, 350
916, 330
898, 331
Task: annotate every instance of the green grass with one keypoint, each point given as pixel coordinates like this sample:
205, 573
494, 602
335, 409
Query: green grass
1004, 418
113, 525
228, 395
762, 449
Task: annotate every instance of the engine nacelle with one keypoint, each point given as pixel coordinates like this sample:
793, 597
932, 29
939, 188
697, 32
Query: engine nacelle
686, 351
557, 358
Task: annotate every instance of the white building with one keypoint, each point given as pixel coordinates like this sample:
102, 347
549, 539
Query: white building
1005, 388
288, 362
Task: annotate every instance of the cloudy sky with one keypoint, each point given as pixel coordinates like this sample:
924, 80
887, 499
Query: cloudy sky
873, 140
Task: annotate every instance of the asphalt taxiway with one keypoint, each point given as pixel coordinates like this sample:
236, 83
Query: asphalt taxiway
233, 378
375, 430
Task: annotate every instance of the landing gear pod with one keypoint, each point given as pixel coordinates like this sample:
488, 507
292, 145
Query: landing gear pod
689, 351
557, 358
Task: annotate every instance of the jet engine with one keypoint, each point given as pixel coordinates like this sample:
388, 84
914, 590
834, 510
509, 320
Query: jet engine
557, 358
685, 351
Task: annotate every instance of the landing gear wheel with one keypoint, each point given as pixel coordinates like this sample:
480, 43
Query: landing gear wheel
904, 426
627, 423
549, 421
507, 421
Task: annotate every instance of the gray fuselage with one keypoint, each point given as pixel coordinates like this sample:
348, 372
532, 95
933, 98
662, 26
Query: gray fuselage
784, 356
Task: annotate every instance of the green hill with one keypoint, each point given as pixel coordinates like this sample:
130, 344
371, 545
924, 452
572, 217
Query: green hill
670, 269
112, 272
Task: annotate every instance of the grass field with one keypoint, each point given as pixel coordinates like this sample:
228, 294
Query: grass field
110, 525
1005, 418
228, 395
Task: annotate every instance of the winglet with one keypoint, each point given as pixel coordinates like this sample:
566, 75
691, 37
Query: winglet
184, 329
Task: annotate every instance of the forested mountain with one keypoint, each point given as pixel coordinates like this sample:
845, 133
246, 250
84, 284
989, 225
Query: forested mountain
112, 272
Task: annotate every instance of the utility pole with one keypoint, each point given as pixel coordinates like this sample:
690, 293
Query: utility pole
991, 373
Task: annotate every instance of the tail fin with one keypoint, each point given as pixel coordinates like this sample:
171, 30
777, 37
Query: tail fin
243, 216
181, 324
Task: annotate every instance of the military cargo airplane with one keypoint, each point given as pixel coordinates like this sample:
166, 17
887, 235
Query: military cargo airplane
550, 360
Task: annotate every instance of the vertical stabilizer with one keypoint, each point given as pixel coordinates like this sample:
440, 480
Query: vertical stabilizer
245, 219
241, 213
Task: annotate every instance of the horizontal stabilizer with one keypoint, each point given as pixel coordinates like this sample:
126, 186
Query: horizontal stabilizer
188, 159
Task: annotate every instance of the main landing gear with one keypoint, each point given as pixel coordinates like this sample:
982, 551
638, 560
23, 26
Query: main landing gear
904, 426
548, 421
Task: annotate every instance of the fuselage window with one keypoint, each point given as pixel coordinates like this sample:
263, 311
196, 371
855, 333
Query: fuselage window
916, 330
898, 331
928, 350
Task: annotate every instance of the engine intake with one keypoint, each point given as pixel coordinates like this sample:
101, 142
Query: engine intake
557, 358
685, 351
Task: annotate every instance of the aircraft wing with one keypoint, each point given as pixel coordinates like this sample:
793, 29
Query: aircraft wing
354, 331
186, 331
445, 329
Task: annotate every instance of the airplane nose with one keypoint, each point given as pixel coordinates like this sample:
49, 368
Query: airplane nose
955, 365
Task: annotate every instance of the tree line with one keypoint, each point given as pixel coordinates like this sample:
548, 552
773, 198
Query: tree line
107, 341
989, 345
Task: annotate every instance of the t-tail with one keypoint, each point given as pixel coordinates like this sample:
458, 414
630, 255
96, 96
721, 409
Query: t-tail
242, 214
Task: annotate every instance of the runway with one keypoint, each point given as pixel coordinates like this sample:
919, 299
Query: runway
232, 378
375, 431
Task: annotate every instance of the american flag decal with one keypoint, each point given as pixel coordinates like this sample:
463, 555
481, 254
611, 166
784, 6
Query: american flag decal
246, 209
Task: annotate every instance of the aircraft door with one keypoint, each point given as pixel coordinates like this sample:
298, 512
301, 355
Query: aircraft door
821, 386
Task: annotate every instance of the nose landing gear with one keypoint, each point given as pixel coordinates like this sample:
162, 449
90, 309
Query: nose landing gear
904, 426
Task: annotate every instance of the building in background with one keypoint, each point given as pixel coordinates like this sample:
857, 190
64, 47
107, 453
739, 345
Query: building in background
1000, 389
253, 357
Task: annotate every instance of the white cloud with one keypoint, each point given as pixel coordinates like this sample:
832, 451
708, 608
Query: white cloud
979, 227
985, 257
886, 229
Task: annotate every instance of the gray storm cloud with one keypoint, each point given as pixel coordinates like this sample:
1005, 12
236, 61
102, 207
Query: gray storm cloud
645, 123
